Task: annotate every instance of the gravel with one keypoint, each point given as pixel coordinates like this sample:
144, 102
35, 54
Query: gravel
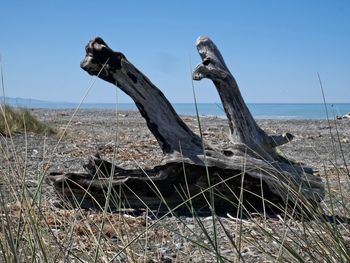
123, 136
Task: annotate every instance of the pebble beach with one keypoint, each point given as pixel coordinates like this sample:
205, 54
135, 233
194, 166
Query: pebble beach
123, 137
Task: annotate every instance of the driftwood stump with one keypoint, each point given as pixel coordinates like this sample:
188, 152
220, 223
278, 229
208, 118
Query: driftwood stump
191, 170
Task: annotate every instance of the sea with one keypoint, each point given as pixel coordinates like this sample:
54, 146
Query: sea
258, 110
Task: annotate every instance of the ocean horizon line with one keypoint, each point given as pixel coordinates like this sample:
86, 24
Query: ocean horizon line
28, 100
261, 110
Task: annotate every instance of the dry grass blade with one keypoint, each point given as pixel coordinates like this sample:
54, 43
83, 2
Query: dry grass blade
19, 120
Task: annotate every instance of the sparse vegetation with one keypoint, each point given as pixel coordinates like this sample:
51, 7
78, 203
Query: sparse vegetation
32, 229
14, 120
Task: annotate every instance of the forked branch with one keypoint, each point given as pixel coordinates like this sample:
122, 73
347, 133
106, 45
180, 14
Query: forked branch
243, 128
251, 156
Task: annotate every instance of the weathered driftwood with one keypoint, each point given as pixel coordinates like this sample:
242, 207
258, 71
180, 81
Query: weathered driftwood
251, 166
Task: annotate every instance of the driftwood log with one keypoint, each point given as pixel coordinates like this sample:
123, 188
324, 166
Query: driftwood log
247, 172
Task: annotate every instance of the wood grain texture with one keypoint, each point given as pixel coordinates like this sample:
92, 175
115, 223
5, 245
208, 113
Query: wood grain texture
251, 160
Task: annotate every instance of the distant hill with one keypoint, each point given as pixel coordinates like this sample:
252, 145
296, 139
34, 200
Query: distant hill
26, 103
34, 103
20, 102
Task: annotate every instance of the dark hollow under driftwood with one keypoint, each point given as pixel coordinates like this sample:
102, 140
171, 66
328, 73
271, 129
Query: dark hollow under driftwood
250, 166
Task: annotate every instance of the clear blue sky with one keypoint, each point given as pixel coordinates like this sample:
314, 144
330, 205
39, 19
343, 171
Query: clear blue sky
273, 48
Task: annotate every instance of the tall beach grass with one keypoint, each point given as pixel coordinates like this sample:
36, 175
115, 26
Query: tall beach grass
34, 230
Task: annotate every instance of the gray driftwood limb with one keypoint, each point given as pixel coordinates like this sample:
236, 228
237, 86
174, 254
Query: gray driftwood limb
252, 156
243, 128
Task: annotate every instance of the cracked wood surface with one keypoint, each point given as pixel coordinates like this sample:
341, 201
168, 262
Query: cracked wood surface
162, 120
243, 128
251, 156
